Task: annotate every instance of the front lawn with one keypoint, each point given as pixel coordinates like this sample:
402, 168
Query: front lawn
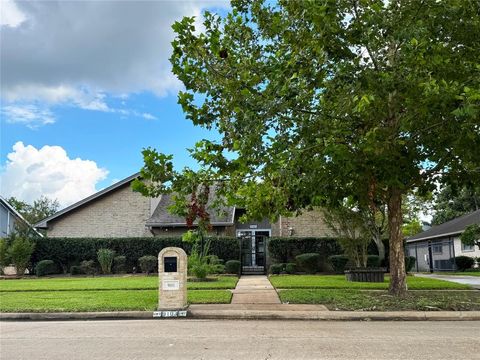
352, 300
339, 282
111, 300
126, 282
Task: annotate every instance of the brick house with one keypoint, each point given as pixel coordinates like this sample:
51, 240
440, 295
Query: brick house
117, 211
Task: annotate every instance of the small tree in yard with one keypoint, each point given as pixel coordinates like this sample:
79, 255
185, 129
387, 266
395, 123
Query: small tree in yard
471, 235
320, 101
19, 252
105, 259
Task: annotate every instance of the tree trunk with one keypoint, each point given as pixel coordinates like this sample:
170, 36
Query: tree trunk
380, 247
398, 284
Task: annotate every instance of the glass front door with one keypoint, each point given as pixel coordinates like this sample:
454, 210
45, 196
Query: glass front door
253, 246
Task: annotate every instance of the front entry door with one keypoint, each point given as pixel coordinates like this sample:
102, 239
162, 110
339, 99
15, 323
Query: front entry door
253, 248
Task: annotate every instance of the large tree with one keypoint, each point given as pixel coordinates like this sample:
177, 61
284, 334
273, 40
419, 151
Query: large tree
319, 101
452, 202
40, 209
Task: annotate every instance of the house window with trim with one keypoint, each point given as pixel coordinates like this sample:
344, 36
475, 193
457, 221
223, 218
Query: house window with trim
468, 248
437, 249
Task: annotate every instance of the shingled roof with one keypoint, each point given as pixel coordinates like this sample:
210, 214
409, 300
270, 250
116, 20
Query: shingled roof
449, 228
161, 217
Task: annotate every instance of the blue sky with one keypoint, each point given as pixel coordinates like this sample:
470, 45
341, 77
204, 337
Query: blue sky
82, 93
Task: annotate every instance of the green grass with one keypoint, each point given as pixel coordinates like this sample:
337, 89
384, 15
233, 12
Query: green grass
112, 300
107, 283
336, 299
339, 282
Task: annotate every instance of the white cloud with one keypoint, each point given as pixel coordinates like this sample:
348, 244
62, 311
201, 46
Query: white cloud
75, 51
10, 15
29, 115
30, 173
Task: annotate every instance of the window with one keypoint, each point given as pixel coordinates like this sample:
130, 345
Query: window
467, 248
437, 248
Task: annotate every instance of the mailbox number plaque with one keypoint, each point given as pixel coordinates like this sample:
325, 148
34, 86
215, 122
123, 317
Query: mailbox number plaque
170, 264
171, 285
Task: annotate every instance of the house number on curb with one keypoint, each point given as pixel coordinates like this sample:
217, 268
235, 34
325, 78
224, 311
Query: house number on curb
169, 314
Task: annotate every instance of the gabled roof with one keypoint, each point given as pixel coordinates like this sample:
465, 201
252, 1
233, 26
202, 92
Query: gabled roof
161, 217
17, 214
449, 228
44, 223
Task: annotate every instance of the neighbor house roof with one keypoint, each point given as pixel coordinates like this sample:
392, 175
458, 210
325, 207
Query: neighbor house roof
449, 228
161, 217
44, 223
17, 214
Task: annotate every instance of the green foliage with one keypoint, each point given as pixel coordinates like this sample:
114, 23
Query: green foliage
71, 251
46, 267
412, 228
464, 262
373, 261
20, 252
105, 259
471, 235
4, 259
308, 262
276, 269
119, 264
409, 263
148, 264
291, 268
39, 210
232, 267
339, 263
88, 267
453, 201
286, 249
76, 270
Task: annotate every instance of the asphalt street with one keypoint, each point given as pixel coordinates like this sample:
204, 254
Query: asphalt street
235, 339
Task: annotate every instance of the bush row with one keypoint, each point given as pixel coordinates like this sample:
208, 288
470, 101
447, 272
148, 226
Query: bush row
68, 252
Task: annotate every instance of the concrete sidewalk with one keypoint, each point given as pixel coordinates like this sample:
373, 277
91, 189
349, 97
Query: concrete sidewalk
255, 289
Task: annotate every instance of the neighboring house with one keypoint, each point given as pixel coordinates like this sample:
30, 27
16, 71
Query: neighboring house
10, 219
436, 248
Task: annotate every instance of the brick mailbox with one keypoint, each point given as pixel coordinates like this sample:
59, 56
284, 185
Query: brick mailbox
172, 277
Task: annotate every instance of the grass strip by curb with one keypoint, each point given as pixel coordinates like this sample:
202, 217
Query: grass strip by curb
113, 300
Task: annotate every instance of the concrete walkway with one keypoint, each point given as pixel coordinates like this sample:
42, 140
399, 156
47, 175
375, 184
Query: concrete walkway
473, 281
255, 289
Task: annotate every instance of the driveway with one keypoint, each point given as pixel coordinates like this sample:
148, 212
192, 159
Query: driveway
473, 281
236, 339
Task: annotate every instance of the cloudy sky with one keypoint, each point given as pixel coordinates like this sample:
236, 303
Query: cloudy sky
85, 85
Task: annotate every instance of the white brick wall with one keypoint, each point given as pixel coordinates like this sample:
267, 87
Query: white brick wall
120, 213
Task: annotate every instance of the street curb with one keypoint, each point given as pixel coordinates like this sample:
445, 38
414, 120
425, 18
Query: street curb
256, 315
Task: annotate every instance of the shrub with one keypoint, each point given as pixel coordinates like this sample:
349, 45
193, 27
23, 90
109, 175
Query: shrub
232, 266
88, 267
276, 269
284, 250
291, 268
105, 259
76, 270
215, 264
4, 260
71, 251
308, 262
148, 264
373, 261
464, 262
46, 267
20, 252
119, 264
339, 262
410, 263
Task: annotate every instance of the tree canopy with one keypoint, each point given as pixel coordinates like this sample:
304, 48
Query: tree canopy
452, 202
40, 209
320, 101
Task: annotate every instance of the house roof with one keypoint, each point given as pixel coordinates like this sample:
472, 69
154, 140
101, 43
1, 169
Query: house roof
44, 223
161, 217
17, 214
452, 227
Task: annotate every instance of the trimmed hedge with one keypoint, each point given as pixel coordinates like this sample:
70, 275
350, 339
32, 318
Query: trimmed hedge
464, 262
291, 268
373, 261
284, 250
410, 263
46, 267
276, 269
339, 262
67, 252
232, 267
309, 262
